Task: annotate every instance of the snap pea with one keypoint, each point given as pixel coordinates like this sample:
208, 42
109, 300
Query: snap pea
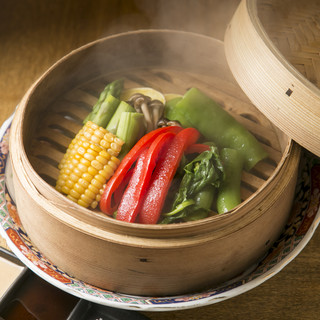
229, 196
198, 110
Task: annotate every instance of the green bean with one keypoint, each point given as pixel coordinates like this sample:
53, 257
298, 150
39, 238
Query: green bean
229, 196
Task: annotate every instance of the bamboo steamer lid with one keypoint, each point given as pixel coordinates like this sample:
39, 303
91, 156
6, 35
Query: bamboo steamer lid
272, 48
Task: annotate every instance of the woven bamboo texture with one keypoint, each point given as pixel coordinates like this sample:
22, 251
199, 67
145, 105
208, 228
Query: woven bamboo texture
294, 28
272, 48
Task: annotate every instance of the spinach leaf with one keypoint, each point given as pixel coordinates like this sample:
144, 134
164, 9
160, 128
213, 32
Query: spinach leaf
203, 172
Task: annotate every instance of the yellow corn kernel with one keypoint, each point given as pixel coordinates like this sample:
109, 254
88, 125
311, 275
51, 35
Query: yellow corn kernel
88, 156
90, 194
74, 177
87, 176
96, 184
83, 203
91, 170
104, 154
108, 137
77, 172
95, 139
73, 193
72, 198
60, 183
65, 190
87, 165
105, 144
116, 147
112, 152
83, 183
106, 172
69, 183
92, 153
112, 164
78, 188
85, 162
93, 188
96, 164
100, 178
95, 147
102, 160
94, 204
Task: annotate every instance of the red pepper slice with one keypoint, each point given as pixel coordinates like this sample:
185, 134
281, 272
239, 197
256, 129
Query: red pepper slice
106, 204
163, 175
134, 194
197, 148
119, 191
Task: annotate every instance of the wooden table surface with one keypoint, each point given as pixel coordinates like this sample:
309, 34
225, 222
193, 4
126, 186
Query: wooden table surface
36, 33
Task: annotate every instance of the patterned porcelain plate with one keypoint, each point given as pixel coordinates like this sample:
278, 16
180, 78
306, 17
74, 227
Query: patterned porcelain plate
296, 234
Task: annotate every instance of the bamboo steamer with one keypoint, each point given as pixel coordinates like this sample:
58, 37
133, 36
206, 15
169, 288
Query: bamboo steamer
272, 48
142, 259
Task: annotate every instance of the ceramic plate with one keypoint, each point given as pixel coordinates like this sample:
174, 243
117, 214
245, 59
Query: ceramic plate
296, 234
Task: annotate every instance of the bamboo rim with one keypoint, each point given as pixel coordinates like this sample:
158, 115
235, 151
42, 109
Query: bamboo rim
271, 82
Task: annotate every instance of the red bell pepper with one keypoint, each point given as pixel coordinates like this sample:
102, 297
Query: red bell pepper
163, 175
107, 202
134, 194
197, 148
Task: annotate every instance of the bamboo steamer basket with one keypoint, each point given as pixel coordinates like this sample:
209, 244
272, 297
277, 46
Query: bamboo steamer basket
138, 259
272, 48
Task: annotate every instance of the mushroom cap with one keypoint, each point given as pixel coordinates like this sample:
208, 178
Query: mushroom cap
149, 92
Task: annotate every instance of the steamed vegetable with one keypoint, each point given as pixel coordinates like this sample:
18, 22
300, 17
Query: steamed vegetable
106, 105
89, 162
163, 175
197, 110
91, 157
130, 130
138, 155
229, 192
109, 200
133, 196
202, 176
113, 124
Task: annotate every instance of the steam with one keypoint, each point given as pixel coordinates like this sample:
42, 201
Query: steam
200, 16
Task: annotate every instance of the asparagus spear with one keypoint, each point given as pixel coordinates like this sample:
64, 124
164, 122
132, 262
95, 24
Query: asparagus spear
130, 129
107, 103
114, 121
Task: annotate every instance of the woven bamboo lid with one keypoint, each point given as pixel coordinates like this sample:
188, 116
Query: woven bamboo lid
272, 48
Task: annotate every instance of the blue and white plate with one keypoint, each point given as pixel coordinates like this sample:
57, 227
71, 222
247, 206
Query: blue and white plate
296, 234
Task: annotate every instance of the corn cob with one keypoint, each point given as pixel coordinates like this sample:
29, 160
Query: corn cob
88, 163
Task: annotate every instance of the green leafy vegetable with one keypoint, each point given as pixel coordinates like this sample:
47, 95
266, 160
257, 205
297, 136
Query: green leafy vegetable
203, 174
